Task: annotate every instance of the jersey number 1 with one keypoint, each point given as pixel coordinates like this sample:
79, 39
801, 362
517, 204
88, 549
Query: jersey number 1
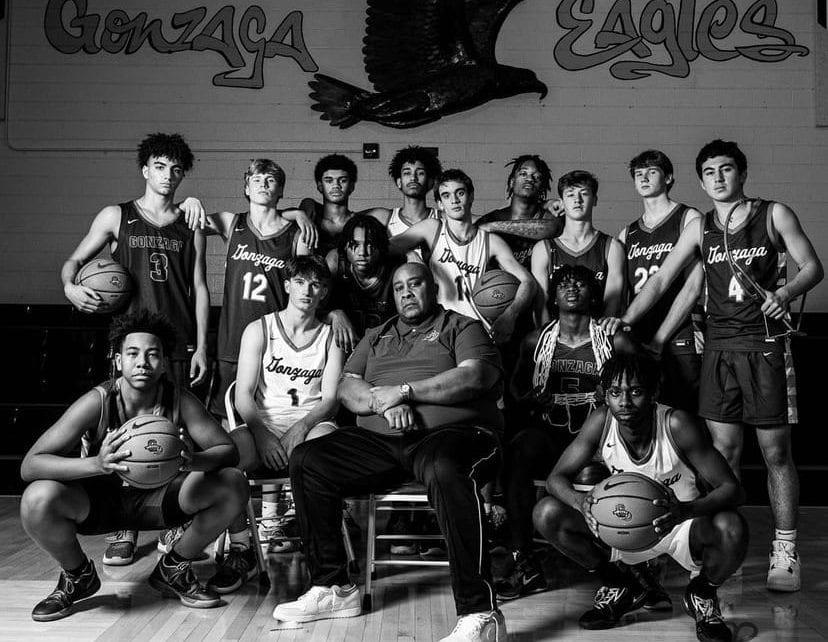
254, 287
462, 290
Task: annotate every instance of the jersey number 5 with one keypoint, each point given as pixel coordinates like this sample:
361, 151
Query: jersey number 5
254, 287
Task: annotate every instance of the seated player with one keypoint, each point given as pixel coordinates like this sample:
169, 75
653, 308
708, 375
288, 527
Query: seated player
555, 380
581, 244
425, 386
286, 394
70, 495
702, 532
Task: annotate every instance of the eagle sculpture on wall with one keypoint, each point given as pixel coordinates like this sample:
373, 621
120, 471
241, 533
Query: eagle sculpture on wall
425, 59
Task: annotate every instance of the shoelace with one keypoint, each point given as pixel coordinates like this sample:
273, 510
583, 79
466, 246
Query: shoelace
605, 596
311, 597
121, 538
235, 559
783, 554
471, 625
707, 609
182, 574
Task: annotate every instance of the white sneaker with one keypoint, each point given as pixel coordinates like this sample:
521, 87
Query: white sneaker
320, 603
783, 574
487, 626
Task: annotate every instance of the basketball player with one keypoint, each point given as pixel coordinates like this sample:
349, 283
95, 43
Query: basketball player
413, 170
747, 370
555, 380
260, 242
528, 217
70, 495
703, 533
670, 334
460, 253
285, 393
166, 260
580, 244
424, 387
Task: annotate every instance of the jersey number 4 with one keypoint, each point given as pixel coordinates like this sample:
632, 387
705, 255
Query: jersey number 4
255, 286
735, 290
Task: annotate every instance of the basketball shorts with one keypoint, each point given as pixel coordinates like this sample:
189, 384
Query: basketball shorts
680, 372
224, 375
753, 387
114, 506
676, 544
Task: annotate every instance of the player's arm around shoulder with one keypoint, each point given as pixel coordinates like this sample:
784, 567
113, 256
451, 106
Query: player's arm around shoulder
577, 455
693, 442
51, 456
423, 232
216, 449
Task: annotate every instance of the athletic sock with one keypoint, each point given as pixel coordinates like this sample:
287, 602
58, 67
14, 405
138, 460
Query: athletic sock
75, 572
703, 586
240, 538
270, 509
785, 536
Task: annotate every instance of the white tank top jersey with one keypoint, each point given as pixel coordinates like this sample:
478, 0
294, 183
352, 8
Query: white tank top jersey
456, 267
290, 379
396, 226
664, 463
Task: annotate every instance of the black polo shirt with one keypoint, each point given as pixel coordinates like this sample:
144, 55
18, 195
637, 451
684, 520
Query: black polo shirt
394, 353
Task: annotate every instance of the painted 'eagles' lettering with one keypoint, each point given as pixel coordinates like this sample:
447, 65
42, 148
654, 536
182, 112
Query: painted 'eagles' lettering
257, 258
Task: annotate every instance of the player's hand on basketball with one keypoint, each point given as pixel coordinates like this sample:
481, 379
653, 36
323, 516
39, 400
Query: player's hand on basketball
503, 328
199, 367
188, 455
774, 305
343, 330
272, 451
401, 418
677, 513
586, 511
108, 458
385, 397
194, 213
83, 298
307, 230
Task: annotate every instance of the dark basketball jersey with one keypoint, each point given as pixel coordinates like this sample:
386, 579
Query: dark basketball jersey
734, 319
572, 370
254, 275
647, 249
161, 262
521, 247
366, 305
594, 257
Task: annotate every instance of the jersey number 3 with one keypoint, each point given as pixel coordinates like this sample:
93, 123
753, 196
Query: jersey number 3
254, 287
159, 267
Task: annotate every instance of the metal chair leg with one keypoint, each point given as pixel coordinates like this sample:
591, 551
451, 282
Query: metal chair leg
261, 563
371, 547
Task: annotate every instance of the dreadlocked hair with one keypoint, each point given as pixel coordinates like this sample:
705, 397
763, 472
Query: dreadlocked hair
631, 365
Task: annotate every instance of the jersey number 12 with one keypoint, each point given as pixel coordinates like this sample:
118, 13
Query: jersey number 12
254, 287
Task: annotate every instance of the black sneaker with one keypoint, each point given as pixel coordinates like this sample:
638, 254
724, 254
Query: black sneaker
178, 580
703, 606
70, 589
611, 603
656, 599
237, 568
527, 577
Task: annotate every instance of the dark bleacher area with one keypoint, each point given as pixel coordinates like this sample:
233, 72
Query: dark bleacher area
54, 354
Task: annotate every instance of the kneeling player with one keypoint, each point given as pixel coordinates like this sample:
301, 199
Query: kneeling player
703, 533
286, 394
70, 495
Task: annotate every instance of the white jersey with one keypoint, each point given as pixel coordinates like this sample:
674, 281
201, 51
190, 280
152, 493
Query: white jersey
664, 463
396, 226
457, 267
290, 379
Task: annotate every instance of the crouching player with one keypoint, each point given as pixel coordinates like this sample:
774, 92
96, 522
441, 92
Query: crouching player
702, 532
71, 495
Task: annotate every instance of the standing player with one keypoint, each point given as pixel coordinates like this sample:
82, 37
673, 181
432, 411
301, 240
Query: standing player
581, 244
414, 170
166, 261
747, 371
703, 533
648, 240
460, 253
556, 376
69, 495
285, 393
260, 242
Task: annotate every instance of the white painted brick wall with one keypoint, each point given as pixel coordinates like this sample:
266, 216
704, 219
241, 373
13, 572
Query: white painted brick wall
104, 103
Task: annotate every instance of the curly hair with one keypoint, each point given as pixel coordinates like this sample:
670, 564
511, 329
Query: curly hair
543, 168
335, 161
631, 365
413, 154
375, 234
142, 320
578, 273
171, 146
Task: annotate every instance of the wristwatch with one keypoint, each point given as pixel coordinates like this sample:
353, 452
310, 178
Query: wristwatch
405, 391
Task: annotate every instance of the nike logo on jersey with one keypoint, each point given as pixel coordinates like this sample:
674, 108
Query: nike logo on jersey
238, 229
767, 354
130, 221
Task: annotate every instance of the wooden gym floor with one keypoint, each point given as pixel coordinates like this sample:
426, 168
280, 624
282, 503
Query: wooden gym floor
409, 603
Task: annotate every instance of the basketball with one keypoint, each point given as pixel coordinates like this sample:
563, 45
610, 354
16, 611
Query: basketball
589, 475
156, 451
625, 512
493, 293
109, 279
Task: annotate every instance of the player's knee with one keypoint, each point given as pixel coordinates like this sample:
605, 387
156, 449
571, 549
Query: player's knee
235, 485
777, 455
443, 472
547, 516
39, 501
320, 430
729, 529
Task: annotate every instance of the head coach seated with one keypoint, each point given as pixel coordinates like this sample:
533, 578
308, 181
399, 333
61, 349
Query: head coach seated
424, 386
